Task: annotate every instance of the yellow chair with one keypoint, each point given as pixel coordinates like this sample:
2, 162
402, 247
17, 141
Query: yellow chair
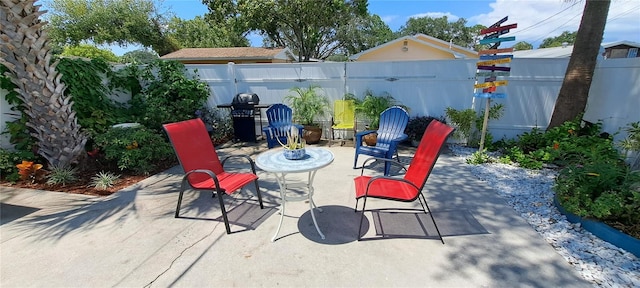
343, 118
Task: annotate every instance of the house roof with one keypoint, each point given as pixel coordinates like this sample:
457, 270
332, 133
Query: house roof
420, 38
624, 42
553, 52
231, 53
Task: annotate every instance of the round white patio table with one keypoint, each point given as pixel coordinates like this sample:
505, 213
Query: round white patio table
273, 161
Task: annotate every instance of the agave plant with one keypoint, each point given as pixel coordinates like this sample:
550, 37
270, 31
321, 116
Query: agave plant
25, 51
103, 180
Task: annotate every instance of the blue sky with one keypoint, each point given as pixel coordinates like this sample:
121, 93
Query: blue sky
536, 19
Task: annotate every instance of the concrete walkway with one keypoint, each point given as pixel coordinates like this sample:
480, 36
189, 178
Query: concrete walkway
131, 239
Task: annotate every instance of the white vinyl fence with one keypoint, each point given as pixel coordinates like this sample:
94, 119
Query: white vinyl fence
429, 87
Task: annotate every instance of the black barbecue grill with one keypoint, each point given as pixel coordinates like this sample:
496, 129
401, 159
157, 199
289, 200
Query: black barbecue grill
243, 113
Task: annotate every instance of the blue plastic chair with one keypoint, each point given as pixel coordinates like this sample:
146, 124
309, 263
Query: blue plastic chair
280, 121
393, 121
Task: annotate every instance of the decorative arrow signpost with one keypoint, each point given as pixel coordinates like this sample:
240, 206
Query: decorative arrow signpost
487, 67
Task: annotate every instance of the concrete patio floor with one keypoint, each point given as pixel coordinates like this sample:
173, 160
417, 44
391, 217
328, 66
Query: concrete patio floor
131, 239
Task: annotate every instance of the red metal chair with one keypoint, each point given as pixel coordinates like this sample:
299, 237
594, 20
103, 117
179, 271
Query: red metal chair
202, 166
409, 188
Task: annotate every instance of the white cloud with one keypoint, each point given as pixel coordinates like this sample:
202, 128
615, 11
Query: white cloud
450, 17
542, 19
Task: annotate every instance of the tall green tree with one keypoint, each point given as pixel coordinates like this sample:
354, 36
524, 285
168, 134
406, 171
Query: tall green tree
565, 37
574, 93
457, 32
308, 27
199, 33
121, 22
522, 45
362, 33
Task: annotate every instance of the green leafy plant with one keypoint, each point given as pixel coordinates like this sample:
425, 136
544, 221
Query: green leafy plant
62, 175
371, 106
85, 81
19, 133
218, 123
169, 95
479, 157
8, 162
104, 180
417, 125
631, 144
469, 123
134, 149
307, 104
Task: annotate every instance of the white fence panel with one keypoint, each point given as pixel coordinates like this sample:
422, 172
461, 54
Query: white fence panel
429, 87
614, 97
426, 87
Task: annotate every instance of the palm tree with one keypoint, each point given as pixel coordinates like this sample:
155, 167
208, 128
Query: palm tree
25, 51
572, 99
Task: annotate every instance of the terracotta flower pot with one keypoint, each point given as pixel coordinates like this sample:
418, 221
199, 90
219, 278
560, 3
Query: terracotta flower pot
370, 139
312, 134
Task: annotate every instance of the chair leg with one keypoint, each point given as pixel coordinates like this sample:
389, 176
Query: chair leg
182, 188
224, 213
355, 161
430, 214
364, 203
259, 195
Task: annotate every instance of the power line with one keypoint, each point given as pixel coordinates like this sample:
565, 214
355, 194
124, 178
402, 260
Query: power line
544, 20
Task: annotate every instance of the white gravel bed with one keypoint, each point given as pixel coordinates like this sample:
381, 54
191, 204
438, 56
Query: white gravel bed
530, 194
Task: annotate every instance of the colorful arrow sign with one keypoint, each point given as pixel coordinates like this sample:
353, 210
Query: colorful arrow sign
494, 40
494, 68
495, 51
500, 28
494, 62
491, 84
499, 22
494, 57
493, 73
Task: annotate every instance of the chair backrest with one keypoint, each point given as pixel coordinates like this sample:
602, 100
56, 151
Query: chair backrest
279, 115
193, 147
344, 112
427, 153
393, 121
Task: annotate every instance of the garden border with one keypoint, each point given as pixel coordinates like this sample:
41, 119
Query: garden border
603, 231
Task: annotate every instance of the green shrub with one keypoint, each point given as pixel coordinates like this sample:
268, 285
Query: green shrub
219, 124
104, 180
479, 157
469, 124
170, 96
9, 160
135, 149
62, 175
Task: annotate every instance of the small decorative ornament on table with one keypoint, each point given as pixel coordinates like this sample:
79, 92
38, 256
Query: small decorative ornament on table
294, 148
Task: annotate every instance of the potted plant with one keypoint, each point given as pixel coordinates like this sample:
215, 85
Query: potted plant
307, 105
416, 126
294, 148
370, 108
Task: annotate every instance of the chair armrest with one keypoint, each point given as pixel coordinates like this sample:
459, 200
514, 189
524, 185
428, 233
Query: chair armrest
246, 157
381, 159
205, 171
361, 134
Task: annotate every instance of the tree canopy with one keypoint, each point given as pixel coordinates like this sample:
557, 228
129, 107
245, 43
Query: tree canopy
565, 37
89, 51
457, 32
362, 33
122, 22
199, 33
522, 45
308, 27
